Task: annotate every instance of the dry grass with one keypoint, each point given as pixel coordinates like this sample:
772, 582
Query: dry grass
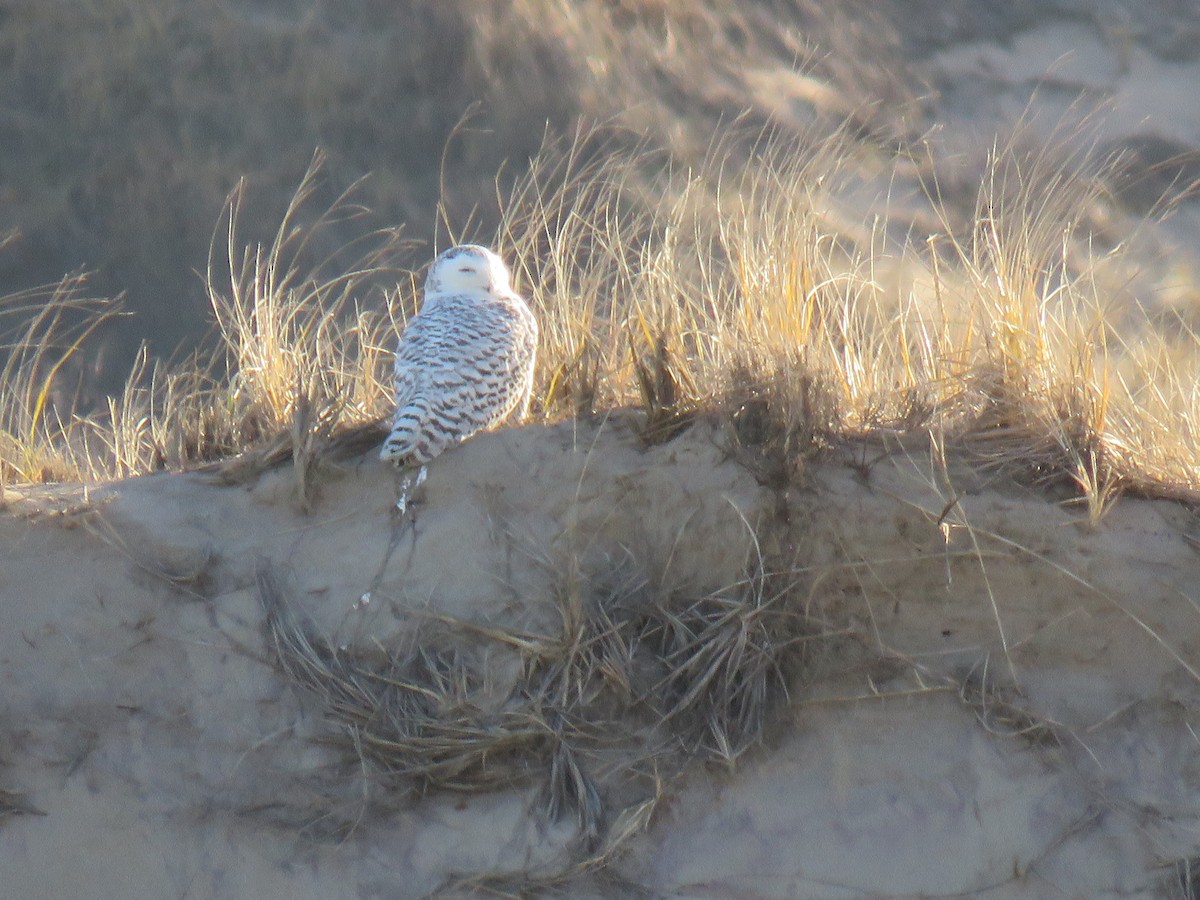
297, 331
44, 331
305, 339
301, 361
736, 295
737, 291
14, 803
1007, 338
721, 273
638, 679
1184, 881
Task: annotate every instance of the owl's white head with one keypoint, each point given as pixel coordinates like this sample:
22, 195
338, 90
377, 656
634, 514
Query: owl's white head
467, 267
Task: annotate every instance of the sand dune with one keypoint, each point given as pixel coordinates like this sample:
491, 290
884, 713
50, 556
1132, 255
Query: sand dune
1001, 695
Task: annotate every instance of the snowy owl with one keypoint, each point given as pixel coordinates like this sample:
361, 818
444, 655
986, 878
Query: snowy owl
465, 361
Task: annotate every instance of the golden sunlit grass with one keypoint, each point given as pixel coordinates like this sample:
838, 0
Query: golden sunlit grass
680, 292
1005, 338
41, 337
301, 343
295, 335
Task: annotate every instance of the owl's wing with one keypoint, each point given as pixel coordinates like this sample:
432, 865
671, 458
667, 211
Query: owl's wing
458, 370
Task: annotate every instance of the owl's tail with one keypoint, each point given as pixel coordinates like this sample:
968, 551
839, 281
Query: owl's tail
403, 445
418, 435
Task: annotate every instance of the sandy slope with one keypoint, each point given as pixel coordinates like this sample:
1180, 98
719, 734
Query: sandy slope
158, 753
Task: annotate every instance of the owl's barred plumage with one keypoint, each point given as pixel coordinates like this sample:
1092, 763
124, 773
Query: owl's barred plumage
465, 361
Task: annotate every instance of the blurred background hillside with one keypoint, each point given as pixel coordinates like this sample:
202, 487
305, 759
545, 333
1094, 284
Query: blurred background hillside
124, 124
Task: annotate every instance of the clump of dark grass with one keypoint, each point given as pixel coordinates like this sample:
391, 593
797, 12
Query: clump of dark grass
15, 803
634, 671
413, 714
724, 657
1002, 711
1185, 883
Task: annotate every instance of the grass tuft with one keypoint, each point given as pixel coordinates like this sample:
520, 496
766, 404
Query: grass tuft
305, 346
301, 368
412, 714
634, 672
43, 342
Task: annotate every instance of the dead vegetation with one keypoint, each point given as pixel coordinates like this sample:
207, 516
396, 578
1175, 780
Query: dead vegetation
736, 293
14, 803
734, 298
639, 680
298, 371
1184, 881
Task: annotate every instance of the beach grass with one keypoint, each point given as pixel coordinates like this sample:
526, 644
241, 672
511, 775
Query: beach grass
731, 293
